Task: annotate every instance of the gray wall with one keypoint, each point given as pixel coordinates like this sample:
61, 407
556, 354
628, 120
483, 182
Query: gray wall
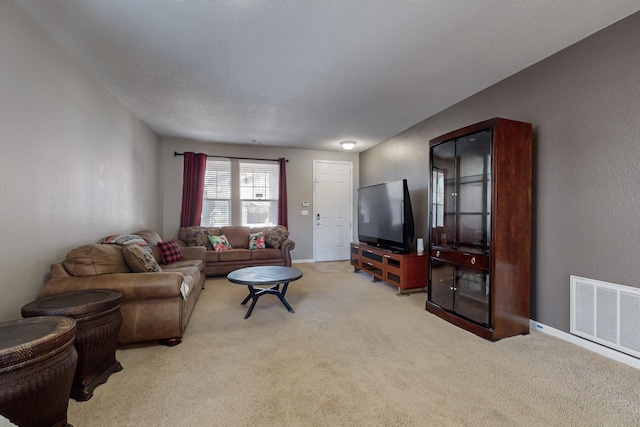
75, 163
584, 104
299, 182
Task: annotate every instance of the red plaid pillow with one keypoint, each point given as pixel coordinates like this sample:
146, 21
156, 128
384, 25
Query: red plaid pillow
169, 251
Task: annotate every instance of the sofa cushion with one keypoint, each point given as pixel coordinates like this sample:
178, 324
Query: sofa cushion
211, 256
268, 253
276, 235
185, 267
235, 255
256, 241
140, 260
150, 236
259, 229
238, 236
220, 243
96, 259
169, 251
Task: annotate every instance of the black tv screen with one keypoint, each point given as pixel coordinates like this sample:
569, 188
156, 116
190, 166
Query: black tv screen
385, 217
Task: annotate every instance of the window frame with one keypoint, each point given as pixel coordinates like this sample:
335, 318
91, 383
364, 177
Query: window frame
237, 214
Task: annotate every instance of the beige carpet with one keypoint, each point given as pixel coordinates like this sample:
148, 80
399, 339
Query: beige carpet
354, 354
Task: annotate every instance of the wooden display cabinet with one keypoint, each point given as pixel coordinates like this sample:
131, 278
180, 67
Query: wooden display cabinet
480, 228
405, 271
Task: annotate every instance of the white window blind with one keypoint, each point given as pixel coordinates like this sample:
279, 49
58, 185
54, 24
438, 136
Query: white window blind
240, 192
216, 204
259, 193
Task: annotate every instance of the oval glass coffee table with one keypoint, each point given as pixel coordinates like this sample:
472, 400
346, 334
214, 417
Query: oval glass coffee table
266, 275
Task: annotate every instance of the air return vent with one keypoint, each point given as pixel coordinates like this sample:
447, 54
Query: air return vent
606, 313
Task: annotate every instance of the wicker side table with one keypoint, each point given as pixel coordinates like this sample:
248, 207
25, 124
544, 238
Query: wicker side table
97, 313
37, 363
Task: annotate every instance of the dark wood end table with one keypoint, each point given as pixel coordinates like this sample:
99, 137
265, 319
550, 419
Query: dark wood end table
37, 363
97, 313
266, 275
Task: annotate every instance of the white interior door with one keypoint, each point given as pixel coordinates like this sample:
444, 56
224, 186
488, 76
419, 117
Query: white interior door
332, 212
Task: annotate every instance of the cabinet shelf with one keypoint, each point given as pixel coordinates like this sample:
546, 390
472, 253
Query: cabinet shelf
469, 179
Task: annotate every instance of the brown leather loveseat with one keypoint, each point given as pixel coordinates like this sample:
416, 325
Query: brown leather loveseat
156, 305
277, 249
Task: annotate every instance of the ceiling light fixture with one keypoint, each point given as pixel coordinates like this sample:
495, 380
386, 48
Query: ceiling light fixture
348, 145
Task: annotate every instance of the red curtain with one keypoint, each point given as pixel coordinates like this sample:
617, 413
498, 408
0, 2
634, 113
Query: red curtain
195, 166
283, 214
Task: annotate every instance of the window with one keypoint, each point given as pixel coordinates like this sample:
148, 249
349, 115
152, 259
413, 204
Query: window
240, 192
259, 193
216, 202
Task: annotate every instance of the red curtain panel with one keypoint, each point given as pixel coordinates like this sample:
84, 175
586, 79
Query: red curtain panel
195, 166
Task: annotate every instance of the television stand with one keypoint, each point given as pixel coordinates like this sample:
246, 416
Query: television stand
406, 271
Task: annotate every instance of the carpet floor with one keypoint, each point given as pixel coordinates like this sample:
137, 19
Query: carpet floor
354, 353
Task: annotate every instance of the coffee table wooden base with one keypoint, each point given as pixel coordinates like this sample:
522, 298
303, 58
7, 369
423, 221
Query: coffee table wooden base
255, 293
271, 276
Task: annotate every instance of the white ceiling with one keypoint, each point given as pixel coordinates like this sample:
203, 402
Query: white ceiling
309, 73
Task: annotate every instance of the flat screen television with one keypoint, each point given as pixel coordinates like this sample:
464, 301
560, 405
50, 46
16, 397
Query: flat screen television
385, 217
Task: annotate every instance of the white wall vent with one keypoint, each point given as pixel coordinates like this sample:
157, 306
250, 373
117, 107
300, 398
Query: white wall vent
606, 313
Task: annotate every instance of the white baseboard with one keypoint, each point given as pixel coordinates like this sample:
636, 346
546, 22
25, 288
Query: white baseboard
302, 261
589, 345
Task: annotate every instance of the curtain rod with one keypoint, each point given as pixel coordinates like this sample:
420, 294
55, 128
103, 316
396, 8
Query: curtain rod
176, 154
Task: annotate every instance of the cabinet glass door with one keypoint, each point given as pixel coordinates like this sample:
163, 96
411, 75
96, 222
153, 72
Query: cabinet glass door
461, 290
443, 191
442, 281
473, 193
471, 298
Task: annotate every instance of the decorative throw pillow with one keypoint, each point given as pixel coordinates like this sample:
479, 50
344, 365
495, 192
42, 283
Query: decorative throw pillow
126, 239
169, 251
220, 243
256, 240
198, 237
140, 260
276, 235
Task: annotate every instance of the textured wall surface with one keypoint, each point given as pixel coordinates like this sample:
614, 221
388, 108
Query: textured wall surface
76, 164
584, 104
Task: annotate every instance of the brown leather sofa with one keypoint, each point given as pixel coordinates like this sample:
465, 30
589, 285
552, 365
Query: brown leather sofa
277, 252
155, 305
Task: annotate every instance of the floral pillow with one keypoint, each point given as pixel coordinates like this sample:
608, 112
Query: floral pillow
256, 240
220, 243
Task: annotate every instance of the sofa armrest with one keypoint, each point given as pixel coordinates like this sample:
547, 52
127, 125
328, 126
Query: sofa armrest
132, 286
286, 247
193, 252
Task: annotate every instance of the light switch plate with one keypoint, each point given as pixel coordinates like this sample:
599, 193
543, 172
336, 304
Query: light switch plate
304, 212
305, 204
